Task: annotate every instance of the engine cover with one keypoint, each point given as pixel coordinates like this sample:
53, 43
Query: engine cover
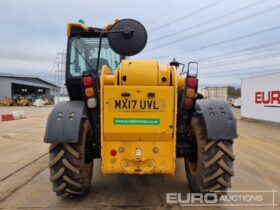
138, 114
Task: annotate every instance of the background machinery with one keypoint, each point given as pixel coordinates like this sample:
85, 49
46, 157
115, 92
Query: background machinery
23, 102
8, 102
137, 116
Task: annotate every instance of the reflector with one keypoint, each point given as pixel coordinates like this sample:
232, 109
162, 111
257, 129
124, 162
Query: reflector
87, 81
190, 93
89, 92
192, 82
188, 103
113, 152
91, 103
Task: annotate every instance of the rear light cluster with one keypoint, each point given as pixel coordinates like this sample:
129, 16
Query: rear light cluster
190, 92
89, 91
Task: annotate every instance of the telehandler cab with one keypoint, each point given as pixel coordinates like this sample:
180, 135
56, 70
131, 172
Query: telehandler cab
137, 116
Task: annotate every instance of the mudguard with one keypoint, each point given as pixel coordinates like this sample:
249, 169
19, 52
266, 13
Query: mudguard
64, 122
220, 122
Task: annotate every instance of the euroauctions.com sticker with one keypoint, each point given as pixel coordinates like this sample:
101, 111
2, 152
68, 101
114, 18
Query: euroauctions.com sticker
241, 198
136, 121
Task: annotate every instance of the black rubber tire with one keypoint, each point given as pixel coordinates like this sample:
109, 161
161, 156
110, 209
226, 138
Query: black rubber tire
70, 173
213, 167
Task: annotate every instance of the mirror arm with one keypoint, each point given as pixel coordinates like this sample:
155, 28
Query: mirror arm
182, 71
130, 31
97, 64
127, 34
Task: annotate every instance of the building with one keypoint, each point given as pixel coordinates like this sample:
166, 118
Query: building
215, 93
15, 87
260, 98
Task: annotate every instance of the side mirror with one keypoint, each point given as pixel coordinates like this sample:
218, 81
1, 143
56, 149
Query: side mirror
193, 69
127, 37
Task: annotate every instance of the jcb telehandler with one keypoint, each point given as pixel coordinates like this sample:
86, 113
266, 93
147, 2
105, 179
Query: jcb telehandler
137, 116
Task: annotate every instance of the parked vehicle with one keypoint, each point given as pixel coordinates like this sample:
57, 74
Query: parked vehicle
39, 102
237, 103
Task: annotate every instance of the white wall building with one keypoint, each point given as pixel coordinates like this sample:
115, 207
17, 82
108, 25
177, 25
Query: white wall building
215, 93
260, 98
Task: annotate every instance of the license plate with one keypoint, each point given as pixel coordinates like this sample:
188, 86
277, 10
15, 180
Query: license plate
145, 105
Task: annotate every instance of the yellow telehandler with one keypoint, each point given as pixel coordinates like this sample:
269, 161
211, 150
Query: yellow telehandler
137, 116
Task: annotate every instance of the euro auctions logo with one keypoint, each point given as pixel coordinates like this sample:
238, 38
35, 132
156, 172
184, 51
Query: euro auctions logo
192, 198
268, 98
240, 198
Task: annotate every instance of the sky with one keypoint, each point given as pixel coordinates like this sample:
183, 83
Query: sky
230, 39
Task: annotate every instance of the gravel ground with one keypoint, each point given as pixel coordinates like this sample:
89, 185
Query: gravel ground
24, 176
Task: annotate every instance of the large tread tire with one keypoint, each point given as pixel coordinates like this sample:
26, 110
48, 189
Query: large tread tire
213, 167
70, 173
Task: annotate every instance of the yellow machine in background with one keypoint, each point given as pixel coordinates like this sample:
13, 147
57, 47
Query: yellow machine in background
24, 102
8, 102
